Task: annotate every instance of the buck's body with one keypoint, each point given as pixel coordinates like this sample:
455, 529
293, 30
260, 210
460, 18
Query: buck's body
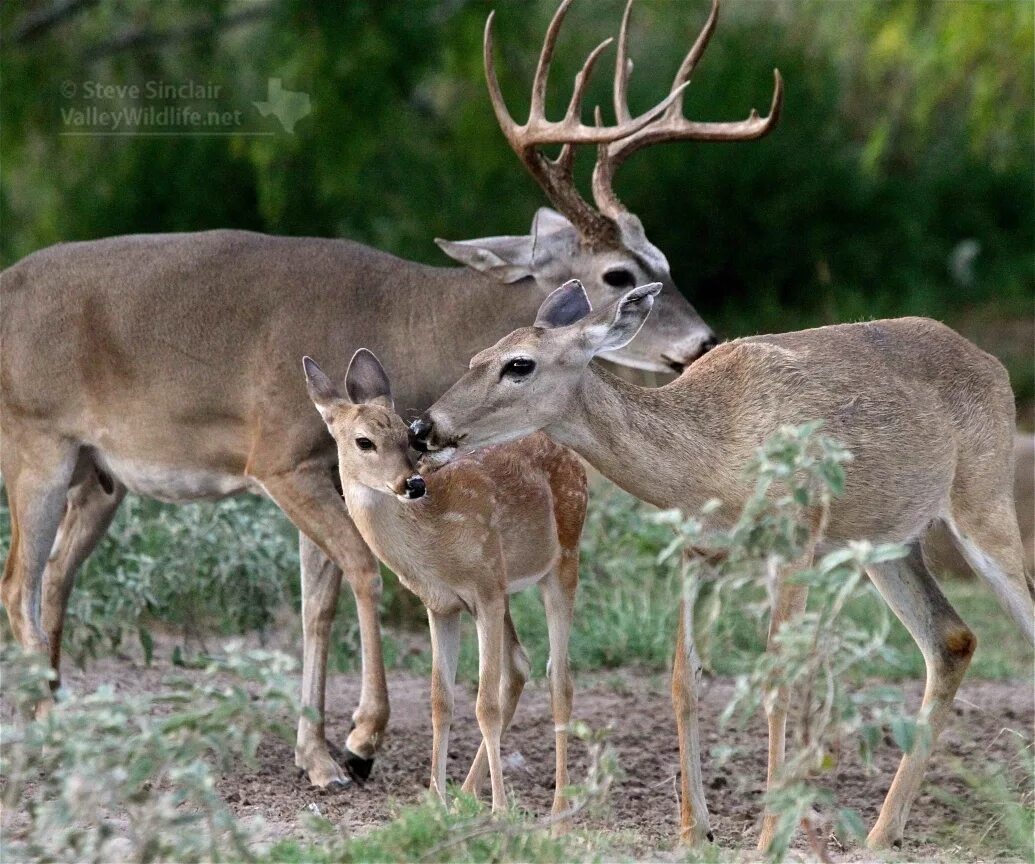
141, 319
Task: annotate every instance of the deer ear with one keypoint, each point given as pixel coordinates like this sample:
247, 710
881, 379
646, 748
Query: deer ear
564, 306
321, 390
547, 221
618, 325
366, 382
505, 258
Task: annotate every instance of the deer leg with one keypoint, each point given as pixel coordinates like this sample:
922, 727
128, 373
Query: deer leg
990, 541
331, 545
37, 474
558, 591
513, 677
947, 645
489, 620
321, 583
788, 603
89, 508
445, 652
686, 678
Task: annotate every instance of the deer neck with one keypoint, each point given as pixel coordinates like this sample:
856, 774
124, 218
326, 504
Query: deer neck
394, 529
654, 443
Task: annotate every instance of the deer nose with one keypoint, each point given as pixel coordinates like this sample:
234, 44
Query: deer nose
709, 343
415, 487
420, 429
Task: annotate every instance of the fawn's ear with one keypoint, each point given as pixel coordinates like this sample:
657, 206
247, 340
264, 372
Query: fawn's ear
617, 325
366, 382
321, 390
565, 306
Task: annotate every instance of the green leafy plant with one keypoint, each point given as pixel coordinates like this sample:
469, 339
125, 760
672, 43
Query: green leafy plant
109, 776
796, 473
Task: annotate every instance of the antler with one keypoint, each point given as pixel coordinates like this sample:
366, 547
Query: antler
667, 122
555, 175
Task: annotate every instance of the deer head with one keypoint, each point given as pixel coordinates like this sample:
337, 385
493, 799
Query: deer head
605, 246
373, 450
530, 378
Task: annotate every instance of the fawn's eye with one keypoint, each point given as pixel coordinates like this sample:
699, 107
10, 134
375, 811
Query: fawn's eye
365, 444
519, 367
619, 277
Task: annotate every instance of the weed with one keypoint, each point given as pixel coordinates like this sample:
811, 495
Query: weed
109, 776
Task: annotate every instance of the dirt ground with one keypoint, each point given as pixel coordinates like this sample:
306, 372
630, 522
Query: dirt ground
991, 720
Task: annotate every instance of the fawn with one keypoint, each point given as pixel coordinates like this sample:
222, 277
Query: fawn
463, 539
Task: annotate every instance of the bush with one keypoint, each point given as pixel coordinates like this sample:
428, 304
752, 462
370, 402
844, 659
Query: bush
109, 776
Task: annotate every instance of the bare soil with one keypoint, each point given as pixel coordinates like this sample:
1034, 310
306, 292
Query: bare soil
992, 722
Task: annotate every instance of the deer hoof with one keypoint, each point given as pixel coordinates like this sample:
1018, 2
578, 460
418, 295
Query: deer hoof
359, 768
337, 786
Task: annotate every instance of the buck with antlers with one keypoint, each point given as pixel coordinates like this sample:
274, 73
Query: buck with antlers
928, 416
505, 519
166, 365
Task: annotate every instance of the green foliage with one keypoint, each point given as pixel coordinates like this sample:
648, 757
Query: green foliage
430, 832
796, 475
1004, 795
225, 568
113, 776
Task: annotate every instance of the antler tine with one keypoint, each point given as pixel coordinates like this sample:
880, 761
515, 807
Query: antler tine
499, 107
686, 68
622, 69
566, 157
542, 69
670, 124
582, 80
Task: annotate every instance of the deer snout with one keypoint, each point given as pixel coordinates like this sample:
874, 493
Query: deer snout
415, 487
420, 431
683, 355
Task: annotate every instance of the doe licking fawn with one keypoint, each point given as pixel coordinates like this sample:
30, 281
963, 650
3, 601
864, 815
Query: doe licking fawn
463, 539
927, 415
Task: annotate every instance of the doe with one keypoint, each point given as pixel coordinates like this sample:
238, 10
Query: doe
928, 416
463, 539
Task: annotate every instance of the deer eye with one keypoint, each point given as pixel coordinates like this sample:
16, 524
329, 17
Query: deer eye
620, 278
365, 444
519, 367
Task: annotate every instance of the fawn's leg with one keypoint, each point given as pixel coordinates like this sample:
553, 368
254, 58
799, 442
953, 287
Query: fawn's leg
947, 645
489, 619
788, 604
445, 651
558, 590
513, 677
